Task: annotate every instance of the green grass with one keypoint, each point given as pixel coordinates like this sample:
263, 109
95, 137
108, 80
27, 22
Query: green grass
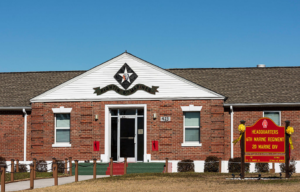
26, 175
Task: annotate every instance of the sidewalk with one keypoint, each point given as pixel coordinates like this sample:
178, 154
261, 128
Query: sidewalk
40, 183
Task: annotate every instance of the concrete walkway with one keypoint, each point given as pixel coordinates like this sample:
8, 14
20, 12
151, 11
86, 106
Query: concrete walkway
40, 183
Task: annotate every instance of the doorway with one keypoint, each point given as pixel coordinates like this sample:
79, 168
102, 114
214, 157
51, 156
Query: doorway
127, 134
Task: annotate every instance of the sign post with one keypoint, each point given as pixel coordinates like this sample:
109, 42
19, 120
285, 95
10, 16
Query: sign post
287, 151
243, 152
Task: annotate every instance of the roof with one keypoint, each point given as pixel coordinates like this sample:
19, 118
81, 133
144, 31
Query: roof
248, 85
239, 85
16, 89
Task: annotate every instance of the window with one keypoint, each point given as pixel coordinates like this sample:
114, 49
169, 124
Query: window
62, 128
274, 115
192, 126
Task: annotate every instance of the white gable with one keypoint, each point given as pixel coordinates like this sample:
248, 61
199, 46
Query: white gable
170, 86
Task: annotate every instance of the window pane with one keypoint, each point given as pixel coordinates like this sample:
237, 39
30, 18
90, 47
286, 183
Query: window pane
63, 135
114, 112
62, 120
274, 116
140, 111
192, 119
127, 111
192, 134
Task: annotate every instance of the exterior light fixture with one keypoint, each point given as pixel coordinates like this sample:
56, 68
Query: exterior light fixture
96, 117
154, 116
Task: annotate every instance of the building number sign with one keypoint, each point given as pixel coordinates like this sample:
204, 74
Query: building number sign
165, 118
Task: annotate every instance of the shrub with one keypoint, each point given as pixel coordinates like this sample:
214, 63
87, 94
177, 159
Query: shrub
60, 166
3, 161
22, 168
292, 168
262, 167
41, 166
186, 165
234, 165
211, 164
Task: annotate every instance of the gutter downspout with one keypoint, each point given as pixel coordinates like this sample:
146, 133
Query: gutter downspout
231, 130
25, 132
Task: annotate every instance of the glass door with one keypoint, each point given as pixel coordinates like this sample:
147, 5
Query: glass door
127, 138
127, 134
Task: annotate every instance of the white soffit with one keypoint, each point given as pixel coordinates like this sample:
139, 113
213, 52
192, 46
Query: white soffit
170, 85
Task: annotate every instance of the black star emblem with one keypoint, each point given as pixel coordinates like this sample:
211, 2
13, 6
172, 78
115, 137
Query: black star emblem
125, 76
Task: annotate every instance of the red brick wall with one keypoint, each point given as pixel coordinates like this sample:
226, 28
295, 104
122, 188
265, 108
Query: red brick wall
85, 130
12, 134
215, 130
251, 115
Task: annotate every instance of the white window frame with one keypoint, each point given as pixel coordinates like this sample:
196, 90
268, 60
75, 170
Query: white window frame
186, 109
61, 110
274, 112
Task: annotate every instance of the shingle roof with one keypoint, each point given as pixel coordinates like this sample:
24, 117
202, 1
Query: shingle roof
240, 85
248, 85
16, 89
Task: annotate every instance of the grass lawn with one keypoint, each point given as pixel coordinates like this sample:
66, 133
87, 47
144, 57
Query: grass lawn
180, 182
26, 175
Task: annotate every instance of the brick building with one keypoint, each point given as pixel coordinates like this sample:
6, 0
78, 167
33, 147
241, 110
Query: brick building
128, 107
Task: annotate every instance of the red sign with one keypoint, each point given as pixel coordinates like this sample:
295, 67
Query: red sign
96, 145
264, 159
265, 137
154, 145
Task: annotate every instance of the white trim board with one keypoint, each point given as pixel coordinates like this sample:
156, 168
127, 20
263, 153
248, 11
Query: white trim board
107, 153
127, 99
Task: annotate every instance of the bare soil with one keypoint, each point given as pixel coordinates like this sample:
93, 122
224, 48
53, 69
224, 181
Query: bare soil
184, 182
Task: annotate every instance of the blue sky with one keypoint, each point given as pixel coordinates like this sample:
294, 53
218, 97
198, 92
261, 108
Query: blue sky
78, 35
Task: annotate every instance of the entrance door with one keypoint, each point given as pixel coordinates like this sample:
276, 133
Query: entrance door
127, 134
127, 138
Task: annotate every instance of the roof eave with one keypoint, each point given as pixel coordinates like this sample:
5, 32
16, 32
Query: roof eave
14, 108
261, 104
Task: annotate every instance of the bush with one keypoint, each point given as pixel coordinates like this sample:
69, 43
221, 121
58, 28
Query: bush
41, 166
262, 167
60, 166
3, 161
186, 166
234, 165
292, 168
22, 168
211, 164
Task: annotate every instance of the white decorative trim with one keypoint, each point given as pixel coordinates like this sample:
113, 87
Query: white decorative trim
124, 99
62, 109
61, 145
191, 108
191, 144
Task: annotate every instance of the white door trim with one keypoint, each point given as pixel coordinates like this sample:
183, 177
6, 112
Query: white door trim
107, 142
